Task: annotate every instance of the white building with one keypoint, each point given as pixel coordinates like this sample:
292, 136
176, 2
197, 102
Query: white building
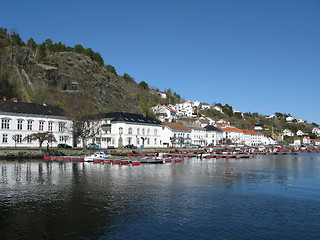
252, 138
287, 132
199, 136
165, 113
268, 140
20, 119
185, 109
119, 129
233, 134
214, 135
305, 140
289, 119
175, 135
316, 131
300, 133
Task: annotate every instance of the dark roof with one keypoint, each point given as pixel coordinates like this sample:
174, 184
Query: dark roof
128, 117
212, 128
30, 108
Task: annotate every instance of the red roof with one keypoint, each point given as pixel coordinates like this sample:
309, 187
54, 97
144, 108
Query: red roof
170, 109
249, 132
222, 124
231, 129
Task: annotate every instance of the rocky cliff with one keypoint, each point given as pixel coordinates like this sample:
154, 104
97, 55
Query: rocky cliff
66, 78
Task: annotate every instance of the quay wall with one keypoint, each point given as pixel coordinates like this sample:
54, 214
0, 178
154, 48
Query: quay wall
38, 154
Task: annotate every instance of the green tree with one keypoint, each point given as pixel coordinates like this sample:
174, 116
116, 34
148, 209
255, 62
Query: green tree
97, 57
79, 49
42, 52
111, 69
32, 44
6, 88
128, 78
16, 39
144, 85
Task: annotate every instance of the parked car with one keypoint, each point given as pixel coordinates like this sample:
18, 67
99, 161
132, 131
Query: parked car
91, 145
63, 145
130, 146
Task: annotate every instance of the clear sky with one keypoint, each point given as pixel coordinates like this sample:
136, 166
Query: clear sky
255, 55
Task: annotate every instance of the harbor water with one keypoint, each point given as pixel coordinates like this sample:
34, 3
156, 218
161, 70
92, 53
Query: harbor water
266, 197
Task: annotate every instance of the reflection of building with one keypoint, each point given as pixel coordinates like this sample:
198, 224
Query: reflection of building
119, 129
20, 119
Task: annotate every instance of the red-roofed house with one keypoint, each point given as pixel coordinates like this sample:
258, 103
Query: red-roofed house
233, 134
305, 140
252, 138
165, 113
316, 142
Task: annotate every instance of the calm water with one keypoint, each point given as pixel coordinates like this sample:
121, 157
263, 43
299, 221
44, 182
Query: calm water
267, 197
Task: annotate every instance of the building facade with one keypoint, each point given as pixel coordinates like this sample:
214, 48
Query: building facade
119, 129
19, 120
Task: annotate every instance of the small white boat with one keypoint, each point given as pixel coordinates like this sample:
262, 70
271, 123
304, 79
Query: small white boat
97, 156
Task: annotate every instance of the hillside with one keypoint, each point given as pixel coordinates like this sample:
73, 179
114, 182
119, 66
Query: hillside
65, 76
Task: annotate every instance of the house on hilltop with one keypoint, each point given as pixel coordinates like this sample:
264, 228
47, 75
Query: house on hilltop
165, 113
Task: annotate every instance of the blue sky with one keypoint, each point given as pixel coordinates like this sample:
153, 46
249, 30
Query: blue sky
255, 55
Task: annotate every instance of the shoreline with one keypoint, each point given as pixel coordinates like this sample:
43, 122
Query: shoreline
40, 154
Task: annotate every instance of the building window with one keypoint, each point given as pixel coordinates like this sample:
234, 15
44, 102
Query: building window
155, 141
120, 130
4, 138
5, 123
41, 125
50, 124
138, 131
148, 141
29, 140
148, 132
19, 138
19, 126
61, 126
143, 131
61, 139
155, 132
130, 131
138, 141
29, 125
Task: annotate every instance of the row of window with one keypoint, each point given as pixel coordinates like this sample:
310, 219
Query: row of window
139, 141
5, 124
18, 138
143, 131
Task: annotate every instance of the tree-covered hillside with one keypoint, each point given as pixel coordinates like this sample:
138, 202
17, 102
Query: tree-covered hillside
54, 73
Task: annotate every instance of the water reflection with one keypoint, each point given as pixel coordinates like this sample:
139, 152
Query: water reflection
41, 200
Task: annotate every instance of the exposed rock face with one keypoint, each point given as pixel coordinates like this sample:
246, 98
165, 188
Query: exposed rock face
62, 76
